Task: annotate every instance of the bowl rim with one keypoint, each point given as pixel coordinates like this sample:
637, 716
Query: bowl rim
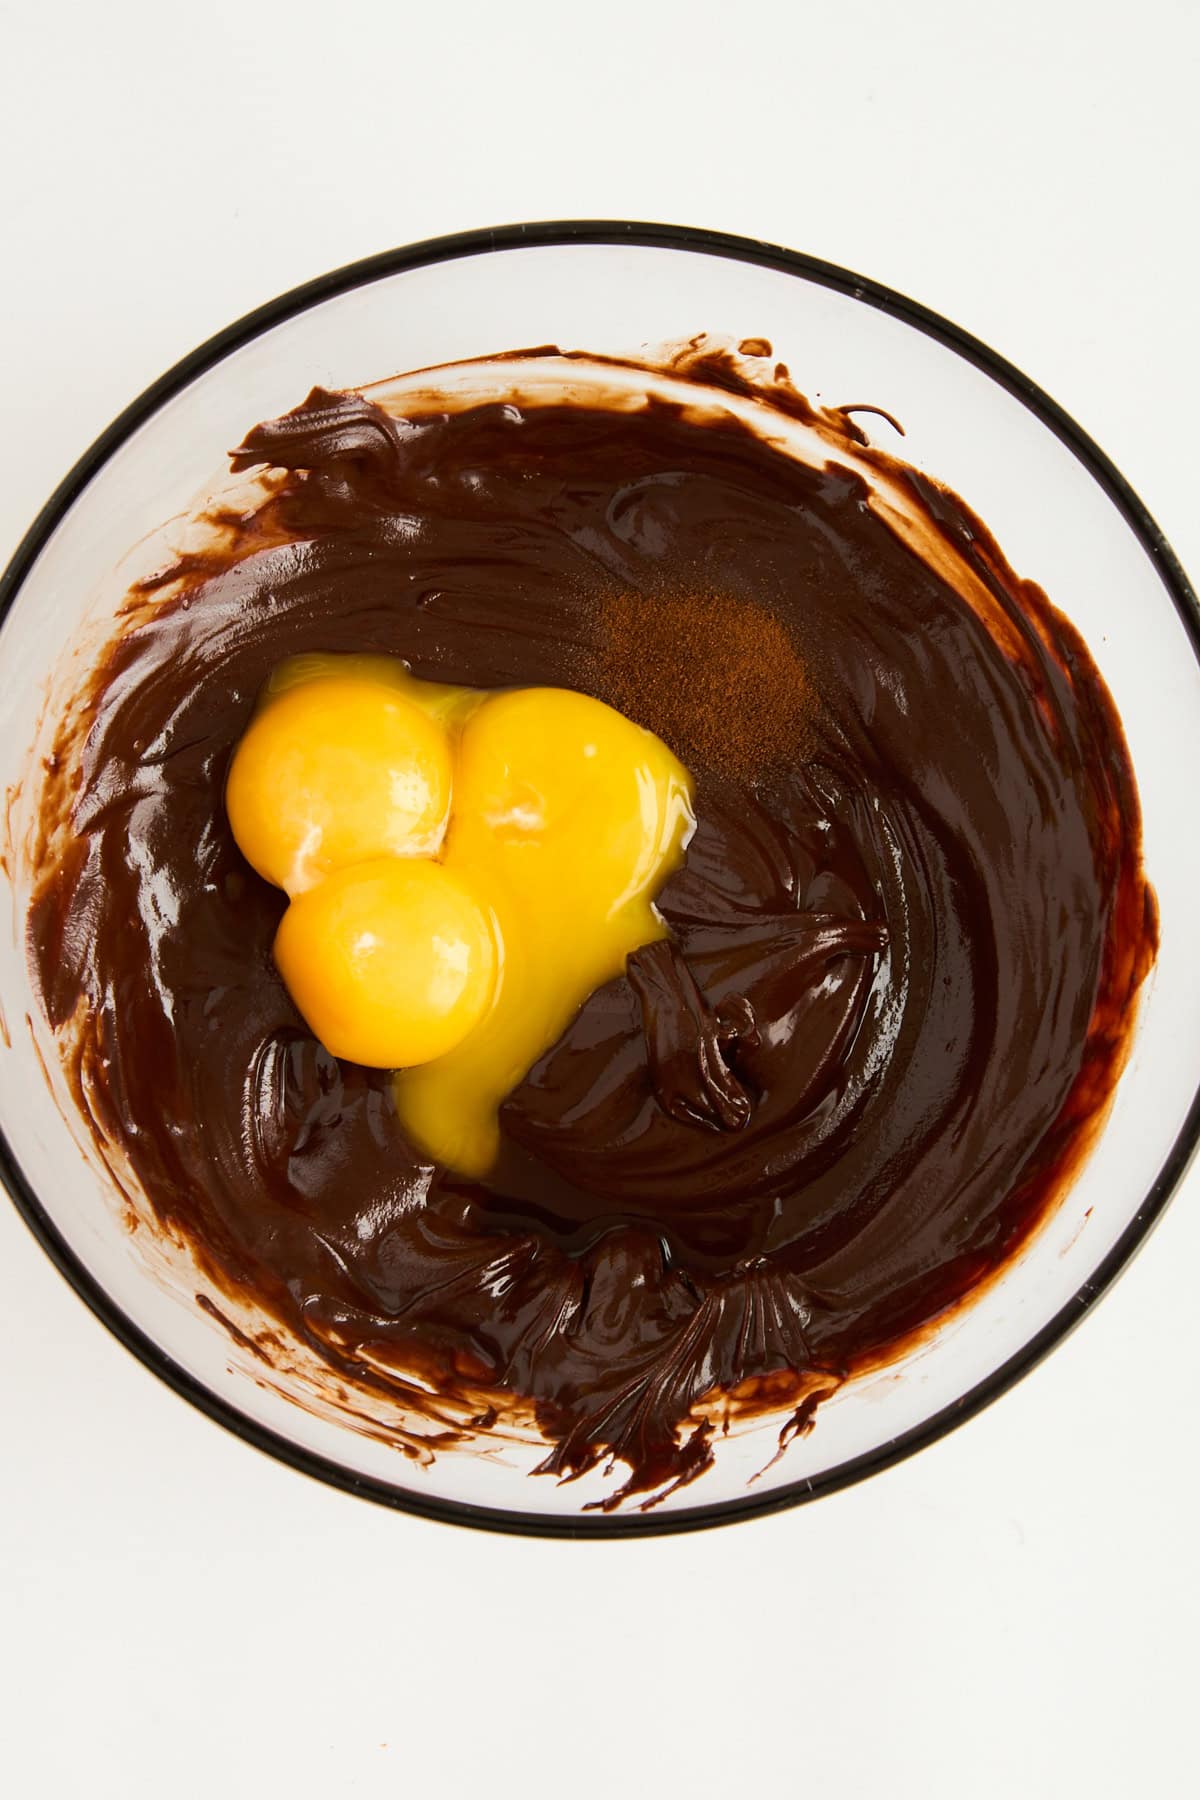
643, 235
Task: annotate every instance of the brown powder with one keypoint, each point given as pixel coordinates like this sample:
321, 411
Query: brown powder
717, 677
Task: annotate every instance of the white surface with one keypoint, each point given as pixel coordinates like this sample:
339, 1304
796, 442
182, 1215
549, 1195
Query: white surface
175, 1611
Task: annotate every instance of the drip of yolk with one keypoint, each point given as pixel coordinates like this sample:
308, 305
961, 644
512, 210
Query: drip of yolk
564, 820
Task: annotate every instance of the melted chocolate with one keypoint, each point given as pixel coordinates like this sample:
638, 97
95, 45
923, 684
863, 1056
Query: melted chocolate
893, 1007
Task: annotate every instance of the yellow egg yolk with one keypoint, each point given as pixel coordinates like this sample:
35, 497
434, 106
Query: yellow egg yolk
392, 962
569, 818
562, 820
333, 772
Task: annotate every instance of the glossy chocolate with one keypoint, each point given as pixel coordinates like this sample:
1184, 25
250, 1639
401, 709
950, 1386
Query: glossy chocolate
905, 942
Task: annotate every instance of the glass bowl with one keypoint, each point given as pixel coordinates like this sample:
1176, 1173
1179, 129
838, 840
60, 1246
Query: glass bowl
971, 420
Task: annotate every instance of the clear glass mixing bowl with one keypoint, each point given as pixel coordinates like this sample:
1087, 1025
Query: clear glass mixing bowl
971, 420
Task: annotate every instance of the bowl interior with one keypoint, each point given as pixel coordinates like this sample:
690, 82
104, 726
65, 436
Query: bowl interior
1057, 523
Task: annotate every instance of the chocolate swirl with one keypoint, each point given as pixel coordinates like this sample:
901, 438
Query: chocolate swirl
690, 1045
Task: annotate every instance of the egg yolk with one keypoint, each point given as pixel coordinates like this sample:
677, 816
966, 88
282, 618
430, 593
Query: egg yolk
569, 817
456, 948
333, 772
392, 962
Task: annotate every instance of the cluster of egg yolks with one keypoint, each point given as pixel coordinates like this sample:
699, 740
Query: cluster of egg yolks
559, 821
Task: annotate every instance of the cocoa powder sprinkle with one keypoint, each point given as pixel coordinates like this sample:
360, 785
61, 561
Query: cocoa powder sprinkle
718, 677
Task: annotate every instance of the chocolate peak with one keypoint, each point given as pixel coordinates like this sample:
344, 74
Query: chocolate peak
690, 1045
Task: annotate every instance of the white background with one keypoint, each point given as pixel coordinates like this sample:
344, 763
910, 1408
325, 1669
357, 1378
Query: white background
1015, 1611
